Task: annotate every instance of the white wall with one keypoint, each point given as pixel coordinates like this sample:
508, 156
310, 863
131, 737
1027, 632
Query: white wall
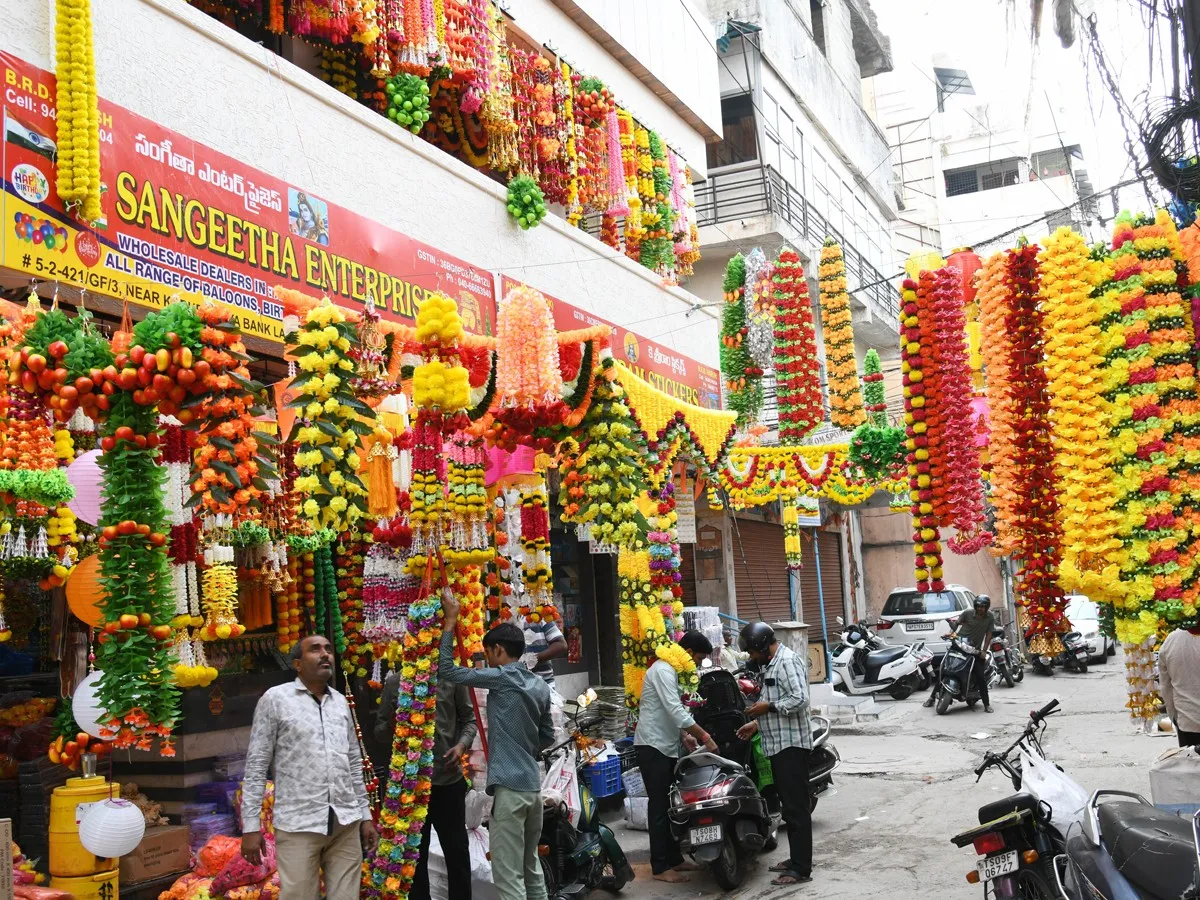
969, 219
168, 62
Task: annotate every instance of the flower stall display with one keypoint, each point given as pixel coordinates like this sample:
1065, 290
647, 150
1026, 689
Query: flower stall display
964, 487
1081, 416
797, 380
330, 422
845, 395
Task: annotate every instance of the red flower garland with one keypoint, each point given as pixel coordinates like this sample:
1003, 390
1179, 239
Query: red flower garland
961, 457
797, 380
1037, 494
919, 388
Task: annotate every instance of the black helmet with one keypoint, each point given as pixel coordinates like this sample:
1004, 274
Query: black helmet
756, 637
983, 600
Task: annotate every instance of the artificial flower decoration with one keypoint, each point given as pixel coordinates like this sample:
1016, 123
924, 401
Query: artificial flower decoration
874, 392
797, 379
760, 309
845, 395
408, 101
1081, 417
529, 385
526, 202
78, 119
791, 532
743, 378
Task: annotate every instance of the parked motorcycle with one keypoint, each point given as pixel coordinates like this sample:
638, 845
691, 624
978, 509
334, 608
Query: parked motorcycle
1009, 661
956, 676
577, 858
1075, 653
718, 814
1016, 841
864, 664
1128, 849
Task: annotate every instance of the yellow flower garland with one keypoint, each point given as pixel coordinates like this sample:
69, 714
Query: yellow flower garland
78, 134
656, 410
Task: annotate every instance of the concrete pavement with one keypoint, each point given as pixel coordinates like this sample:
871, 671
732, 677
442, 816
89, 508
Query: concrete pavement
906, 786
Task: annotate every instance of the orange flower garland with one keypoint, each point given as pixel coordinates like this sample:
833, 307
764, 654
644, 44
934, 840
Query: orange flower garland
845, 395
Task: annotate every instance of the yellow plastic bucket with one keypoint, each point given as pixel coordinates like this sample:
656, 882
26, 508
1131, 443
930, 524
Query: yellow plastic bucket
68, 857
101, 886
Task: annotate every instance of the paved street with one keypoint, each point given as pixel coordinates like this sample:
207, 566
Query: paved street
906, 786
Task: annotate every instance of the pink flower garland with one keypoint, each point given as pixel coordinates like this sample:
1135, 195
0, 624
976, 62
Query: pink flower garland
526, 351
472, 98
616, 168
962, 475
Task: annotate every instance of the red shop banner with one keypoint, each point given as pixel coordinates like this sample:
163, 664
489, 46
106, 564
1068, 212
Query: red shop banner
181, 219
668, 370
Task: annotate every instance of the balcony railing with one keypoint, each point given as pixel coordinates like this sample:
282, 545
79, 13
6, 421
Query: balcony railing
761, 191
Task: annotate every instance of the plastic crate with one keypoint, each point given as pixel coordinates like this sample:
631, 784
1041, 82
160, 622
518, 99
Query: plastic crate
627, 753
604, 778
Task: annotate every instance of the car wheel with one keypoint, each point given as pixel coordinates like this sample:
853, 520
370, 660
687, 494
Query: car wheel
1099, 660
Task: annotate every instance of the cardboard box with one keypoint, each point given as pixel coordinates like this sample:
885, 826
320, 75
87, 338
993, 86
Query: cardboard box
163, 851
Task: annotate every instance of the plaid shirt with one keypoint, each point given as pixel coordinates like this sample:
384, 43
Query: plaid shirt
785, 684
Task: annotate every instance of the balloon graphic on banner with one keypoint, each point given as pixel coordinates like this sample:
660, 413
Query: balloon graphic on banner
85, 476
84, 592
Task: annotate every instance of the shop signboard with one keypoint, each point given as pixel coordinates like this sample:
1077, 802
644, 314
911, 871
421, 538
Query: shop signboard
182, 219
668, 370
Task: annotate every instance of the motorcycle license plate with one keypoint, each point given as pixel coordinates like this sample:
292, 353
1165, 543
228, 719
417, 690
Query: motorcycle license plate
992, 866
919, 626
710, 834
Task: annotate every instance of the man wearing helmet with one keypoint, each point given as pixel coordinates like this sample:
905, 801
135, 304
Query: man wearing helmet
977, 626
781, 717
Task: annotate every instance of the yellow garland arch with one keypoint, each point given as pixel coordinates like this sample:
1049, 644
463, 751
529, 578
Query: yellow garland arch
755, 476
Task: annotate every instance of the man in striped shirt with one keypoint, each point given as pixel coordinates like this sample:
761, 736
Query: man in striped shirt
544, 642
781, 717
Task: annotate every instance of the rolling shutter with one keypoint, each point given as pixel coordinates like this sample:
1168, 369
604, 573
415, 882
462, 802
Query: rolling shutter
687, 570
760, 573
830, 587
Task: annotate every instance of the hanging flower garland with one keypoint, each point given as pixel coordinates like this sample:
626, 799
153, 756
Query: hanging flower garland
1081, 417
792, 548
535, 561
642, 624
926, 537
529, 386
760, 309
351, 556
964, 487
466, 504
78, 119
526, 202
874, 392
845, 396
797, 379
331, 420
743, 379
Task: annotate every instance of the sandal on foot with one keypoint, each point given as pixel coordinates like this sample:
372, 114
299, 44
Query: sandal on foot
788, 879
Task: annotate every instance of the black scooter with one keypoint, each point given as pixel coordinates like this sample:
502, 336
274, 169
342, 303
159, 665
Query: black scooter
956, 679
718, 814
577, 859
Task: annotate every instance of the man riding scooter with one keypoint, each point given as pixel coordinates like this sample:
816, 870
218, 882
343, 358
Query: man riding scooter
976, 626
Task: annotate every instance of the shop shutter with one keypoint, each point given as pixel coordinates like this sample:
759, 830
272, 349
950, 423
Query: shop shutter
830, 583
760, 573
687, 570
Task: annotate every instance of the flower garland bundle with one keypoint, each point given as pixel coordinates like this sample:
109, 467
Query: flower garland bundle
874, 392
992, 298
927, 546
760, 309
406, 797
797, 379
78, 134
689, 253
618, 196
535, 546
681, 661
331, 420
184, 552
642, 625
1037, 506
466, 504
288, 608
877, 447
658, 247
408, 104
601, 483
933, 402
791, 533
479, 85
219, 588
664, 560
388, 591
610, 231
845, 397
743, 379
526, 202
467, 585
351, 554
1081, 417
231, 458
961, 457
569, 149
529, 386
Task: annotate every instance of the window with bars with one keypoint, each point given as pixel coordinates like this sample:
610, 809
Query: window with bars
963, 181
990, 180
1053, 163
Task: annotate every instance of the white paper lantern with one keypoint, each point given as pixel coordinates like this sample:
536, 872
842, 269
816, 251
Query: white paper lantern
112, 828
87, 709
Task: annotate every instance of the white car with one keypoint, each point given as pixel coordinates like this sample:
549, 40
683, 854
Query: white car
1084, 617
910, 615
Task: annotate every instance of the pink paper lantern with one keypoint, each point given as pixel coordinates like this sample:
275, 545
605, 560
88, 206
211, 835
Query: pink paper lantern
84, 474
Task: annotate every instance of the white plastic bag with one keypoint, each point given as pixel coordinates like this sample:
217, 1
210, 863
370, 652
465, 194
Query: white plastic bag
481, 868
1065, 797
561, 786
637, 814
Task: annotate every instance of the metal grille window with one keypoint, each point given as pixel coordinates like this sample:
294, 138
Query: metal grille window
1053, 163
964, 181
989, 181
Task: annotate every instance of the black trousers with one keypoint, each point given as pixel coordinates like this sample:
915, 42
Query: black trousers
979, 675
658, 772
1188, 738
790, 769
448, 814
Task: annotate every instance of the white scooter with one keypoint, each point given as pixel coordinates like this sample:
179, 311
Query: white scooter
865, 664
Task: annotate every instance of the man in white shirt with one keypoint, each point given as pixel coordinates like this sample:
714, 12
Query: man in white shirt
304, 730
1179, 683
662, 718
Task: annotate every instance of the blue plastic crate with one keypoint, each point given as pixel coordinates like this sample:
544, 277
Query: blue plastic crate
604, 778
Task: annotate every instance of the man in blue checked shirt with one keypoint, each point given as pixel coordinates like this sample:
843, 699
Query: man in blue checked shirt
781, 718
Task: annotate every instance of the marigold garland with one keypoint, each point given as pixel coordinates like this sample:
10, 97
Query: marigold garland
845, 396
78, 118
797, 379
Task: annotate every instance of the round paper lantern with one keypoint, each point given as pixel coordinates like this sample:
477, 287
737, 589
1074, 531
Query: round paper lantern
112, 828
84, 474
84, 591
88, 711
